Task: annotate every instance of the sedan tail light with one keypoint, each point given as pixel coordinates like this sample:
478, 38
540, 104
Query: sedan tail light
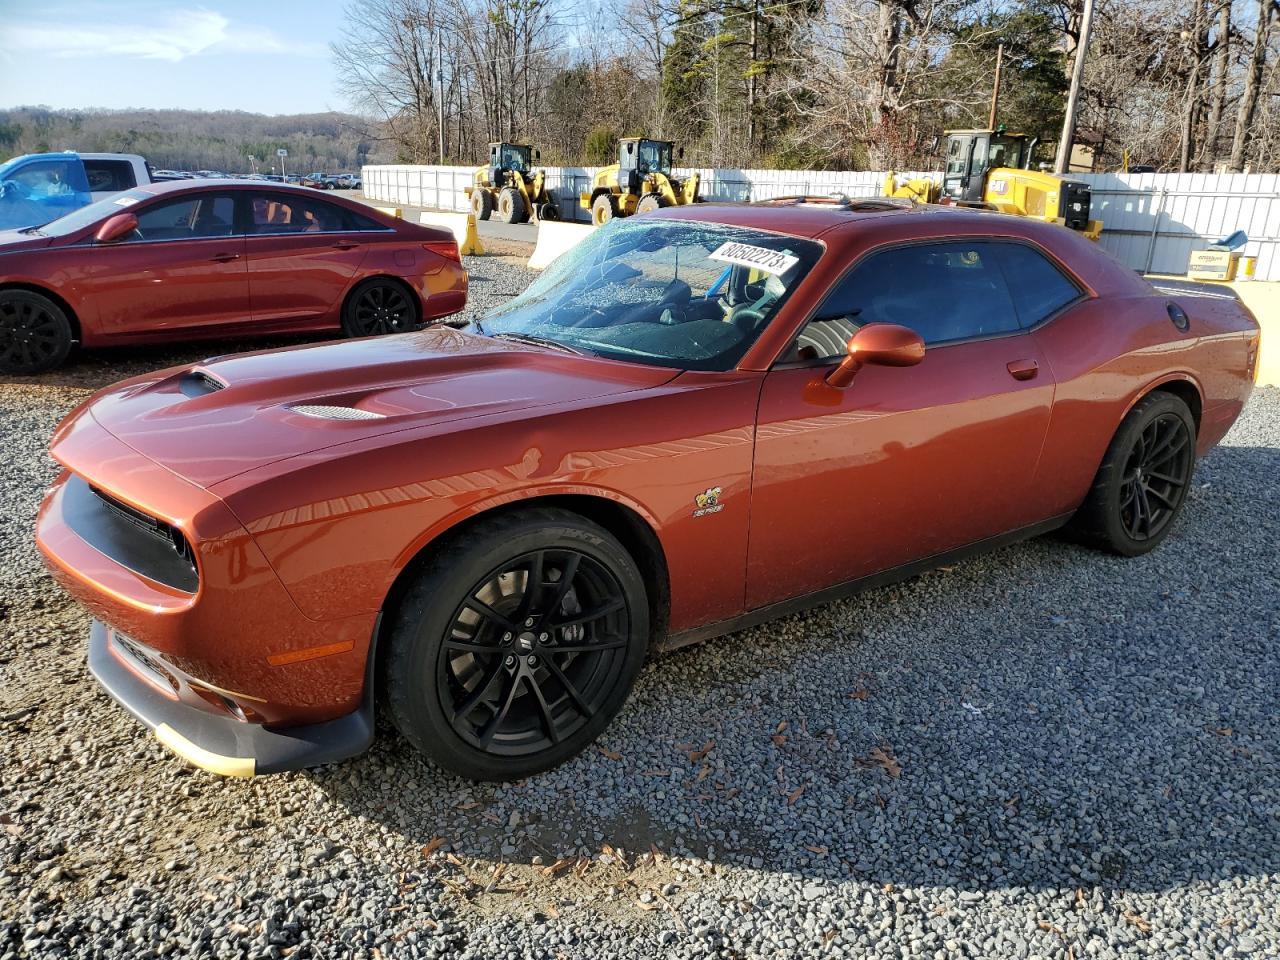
444, 248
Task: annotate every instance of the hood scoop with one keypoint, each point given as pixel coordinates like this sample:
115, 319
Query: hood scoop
325, 411
199, 383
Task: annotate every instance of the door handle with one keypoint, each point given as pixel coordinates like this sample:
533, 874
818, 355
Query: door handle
346, 244
1022, 369
224, 257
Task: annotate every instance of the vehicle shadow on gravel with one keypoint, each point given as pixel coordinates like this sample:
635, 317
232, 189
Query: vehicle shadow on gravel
1041, 717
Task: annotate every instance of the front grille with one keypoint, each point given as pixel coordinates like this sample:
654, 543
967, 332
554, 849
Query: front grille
162, 531
129, 536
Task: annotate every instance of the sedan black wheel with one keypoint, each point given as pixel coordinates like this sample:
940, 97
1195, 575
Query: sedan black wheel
1143, 480
513, 655
377, 307
35, 334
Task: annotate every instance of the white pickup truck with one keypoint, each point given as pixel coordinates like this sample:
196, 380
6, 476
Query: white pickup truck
39, 187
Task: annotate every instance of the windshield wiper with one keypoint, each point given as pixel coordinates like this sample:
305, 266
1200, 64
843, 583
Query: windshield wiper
34, 231
538, 341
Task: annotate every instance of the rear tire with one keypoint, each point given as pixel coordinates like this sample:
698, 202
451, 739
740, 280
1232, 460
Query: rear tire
379, 306
481, 203
651, 201
511, 207
603, 209
35, 333
1143, 480
494, 683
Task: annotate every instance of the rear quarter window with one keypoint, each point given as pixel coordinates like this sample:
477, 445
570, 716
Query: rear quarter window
1038, 288
110, 175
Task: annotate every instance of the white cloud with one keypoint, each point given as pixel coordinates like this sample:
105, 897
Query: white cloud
173, 37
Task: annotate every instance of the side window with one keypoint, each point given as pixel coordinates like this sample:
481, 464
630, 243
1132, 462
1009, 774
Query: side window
272, 213
1037, 286
944, 291
110, 175
188, 218
49, 178
356, 222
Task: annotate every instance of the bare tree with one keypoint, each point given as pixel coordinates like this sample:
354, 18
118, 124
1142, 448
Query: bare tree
1267, 10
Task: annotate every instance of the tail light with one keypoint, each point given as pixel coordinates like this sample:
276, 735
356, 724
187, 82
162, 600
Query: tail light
443, 248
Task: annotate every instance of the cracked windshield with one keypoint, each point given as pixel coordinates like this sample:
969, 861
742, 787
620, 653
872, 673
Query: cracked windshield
668, 293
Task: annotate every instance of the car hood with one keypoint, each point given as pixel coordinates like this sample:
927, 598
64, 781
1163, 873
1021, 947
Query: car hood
225, 416
11, 241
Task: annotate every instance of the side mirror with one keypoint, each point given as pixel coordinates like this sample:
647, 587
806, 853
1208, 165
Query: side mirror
537, 154
115, 228
933, 147
884, 344
679, 153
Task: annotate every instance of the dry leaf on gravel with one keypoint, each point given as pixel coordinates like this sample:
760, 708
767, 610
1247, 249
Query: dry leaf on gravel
816, 848
434, 844
564, 863
883, 758
860, 693
1138, 921
778, 739
611, 754
794, 795
696, 756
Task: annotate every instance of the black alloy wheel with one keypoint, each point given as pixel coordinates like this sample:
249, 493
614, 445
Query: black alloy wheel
1143, 480
1155, 477
35, 334
532, 651
378, 307
517, 644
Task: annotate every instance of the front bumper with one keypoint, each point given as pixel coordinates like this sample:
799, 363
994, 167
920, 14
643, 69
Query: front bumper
223, 744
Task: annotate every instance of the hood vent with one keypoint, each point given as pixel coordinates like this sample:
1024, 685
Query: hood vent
322, 411
198, 383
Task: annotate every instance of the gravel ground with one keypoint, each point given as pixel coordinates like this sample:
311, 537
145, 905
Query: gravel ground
1044, 752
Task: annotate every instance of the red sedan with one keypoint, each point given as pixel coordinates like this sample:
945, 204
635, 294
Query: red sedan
698, 419
185, 261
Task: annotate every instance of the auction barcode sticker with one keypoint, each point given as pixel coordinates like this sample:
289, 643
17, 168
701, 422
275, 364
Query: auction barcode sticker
762, 258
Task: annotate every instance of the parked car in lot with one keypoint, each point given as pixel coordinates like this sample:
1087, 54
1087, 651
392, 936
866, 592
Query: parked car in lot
320, 181
348, 181
203, 259
38, 187
698, 419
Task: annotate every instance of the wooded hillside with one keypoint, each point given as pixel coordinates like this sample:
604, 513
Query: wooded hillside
195, 140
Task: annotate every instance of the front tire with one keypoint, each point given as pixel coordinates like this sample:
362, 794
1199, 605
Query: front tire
516, 645
35, 333
1142, 483
379, 306
511, 208
481, 203
603, 209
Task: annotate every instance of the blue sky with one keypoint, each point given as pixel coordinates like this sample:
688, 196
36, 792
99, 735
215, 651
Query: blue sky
266, 56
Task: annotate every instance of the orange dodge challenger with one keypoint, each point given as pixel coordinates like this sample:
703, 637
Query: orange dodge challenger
696, 420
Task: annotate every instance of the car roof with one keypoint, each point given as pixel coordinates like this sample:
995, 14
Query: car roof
800, 218
224, 183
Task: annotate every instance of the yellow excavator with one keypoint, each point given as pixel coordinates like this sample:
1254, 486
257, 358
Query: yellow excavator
991, 169
641, 180
508, 187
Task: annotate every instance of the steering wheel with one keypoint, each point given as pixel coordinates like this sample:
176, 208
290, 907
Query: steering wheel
747, 319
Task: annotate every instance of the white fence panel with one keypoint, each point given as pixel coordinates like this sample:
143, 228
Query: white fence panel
1151, 221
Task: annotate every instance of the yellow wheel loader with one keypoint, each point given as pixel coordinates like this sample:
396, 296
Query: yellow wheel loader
990, 169
508, 189
641, 180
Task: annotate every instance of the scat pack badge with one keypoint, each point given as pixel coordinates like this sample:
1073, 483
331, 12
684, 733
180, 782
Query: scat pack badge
708, 502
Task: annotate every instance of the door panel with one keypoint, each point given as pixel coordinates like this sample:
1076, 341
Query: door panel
301, 257
168, 285
904, 464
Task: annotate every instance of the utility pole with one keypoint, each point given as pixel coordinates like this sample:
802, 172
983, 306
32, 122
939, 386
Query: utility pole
440, 95
995, 90
1063, 159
